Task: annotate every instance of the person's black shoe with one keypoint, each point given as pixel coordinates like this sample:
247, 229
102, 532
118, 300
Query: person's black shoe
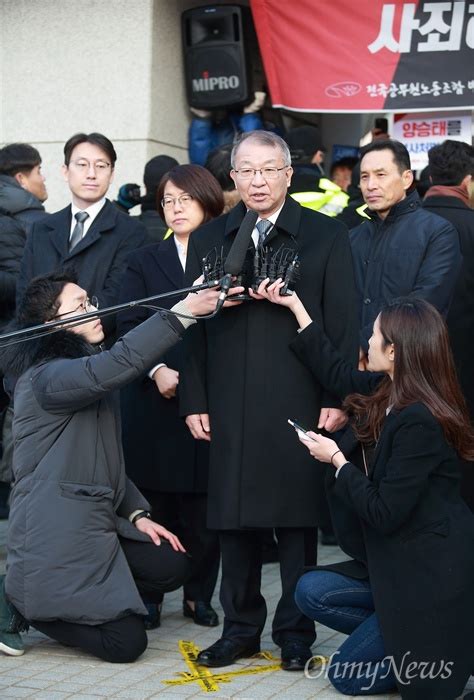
294, 656
153, 619
225, 651
203, 613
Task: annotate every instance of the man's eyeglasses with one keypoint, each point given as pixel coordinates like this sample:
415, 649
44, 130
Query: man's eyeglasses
266, 173
184, 200
83, 165
85, 307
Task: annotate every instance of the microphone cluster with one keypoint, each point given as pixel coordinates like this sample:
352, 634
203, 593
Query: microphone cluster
240, 269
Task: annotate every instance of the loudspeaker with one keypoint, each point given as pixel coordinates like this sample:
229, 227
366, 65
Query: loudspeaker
214, 46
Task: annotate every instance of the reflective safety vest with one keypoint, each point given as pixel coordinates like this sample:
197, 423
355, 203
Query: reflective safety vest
329, 200
361, 211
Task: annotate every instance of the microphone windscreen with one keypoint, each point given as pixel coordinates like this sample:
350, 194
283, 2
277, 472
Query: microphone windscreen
235, 259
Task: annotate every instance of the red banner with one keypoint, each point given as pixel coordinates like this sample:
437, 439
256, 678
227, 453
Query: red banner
367, 56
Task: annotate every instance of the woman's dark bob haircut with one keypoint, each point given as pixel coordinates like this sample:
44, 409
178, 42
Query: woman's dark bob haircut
199, 183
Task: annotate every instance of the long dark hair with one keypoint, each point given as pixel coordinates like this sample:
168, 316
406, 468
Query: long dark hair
423, 372
199, 183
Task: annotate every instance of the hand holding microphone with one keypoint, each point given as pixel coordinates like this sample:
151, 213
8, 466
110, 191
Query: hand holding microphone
207, 300
236, 257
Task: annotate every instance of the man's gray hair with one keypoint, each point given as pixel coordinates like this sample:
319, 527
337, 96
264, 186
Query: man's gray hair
264, 138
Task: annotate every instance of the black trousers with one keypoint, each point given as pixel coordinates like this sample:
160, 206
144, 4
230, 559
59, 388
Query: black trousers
244, 606
185, 514
156, 570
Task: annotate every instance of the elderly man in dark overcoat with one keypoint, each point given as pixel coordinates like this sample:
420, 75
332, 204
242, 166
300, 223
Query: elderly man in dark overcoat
240, 386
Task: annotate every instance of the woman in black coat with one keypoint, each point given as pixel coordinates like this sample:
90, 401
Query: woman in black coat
161, 456
406, 599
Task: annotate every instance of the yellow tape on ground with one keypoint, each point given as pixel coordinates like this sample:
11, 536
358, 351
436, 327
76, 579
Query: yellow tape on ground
201, 675
207, 680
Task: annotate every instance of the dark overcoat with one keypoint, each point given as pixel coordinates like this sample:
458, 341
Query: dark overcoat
12, 245
160, 452
99, 258
416, 534
241, 371
461, 314
71, 498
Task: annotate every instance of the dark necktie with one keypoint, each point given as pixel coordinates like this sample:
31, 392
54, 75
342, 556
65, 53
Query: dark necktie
78, 232
263, 227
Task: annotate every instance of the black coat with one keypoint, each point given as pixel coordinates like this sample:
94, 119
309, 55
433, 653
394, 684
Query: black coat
461, 313
240, 370
154, 224
160, 453
99, 258
416, 534
410, 253
20, 204
12, 244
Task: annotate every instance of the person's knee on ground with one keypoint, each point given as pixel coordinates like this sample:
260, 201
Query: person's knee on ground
123, 647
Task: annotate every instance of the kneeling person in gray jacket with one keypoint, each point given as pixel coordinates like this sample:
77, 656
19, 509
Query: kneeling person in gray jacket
83, 553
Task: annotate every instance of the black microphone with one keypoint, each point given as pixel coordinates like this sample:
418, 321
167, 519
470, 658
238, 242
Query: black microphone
235, 259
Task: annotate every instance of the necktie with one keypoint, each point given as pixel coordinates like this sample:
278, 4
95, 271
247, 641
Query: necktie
78, 232
263, 227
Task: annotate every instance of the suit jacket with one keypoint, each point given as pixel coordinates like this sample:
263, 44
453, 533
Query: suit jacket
408, 522
99, 258
160, 452
241, 371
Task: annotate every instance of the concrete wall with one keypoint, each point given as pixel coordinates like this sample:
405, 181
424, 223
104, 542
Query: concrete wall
113, 66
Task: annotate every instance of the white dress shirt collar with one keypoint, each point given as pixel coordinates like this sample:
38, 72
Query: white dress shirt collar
272, 218
93, 211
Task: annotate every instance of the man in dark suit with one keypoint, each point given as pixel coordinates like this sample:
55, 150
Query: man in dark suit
241, 385
90, 235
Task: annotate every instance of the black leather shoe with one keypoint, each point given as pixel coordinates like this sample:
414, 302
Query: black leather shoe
294, 656
203, 613
225, 651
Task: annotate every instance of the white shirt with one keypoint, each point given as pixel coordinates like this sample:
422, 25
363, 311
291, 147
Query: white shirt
181, 253
93, 211
271, 218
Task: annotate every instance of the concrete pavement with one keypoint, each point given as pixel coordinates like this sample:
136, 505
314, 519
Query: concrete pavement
49, 671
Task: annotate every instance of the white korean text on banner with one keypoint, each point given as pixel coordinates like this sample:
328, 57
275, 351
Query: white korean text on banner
372, 55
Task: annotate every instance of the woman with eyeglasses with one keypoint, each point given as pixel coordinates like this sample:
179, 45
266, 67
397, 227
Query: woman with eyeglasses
161, 456
405, 600
83, 552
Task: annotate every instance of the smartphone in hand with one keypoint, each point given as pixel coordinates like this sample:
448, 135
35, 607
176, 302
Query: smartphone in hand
299, 429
